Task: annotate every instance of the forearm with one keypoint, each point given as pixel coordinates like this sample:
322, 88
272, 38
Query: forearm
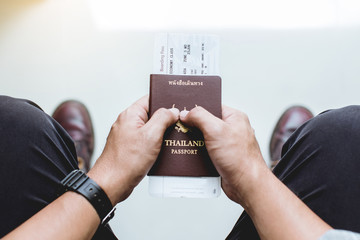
131, 149
60, 220
277, 212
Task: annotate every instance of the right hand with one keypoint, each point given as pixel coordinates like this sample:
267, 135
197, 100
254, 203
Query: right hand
232, 147
246, 179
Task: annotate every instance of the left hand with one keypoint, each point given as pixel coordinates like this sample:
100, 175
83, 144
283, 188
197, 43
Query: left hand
132, 147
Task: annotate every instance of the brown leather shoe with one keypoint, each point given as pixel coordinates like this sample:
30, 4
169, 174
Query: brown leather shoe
291, 119
75, 119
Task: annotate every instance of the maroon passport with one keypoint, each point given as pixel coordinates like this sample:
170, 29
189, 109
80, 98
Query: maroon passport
183, 151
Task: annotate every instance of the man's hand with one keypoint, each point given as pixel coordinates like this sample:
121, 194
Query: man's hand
131, 149
232, 147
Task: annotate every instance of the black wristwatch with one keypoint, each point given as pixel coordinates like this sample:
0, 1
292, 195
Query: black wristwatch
79, 182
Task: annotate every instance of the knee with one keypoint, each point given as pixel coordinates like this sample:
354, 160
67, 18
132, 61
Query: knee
336, 131
21, 115
343, 121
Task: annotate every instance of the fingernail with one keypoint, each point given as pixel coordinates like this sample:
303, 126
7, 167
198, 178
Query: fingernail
175, 111
183, 113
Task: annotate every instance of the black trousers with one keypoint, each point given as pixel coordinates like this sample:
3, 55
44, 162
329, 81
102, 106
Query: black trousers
321, 165
36, 153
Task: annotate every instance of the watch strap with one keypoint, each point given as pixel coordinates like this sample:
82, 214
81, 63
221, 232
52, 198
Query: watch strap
79, 182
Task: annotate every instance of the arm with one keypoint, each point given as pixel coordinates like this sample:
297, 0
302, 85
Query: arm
276, 212
131, 149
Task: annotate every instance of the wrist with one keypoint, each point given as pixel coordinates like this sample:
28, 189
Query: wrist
113, 180
248, 184
101, 178
77, 181
257, 184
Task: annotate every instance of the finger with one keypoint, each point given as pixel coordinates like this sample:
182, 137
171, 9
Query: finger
226, 112
233, 116
143, 103
161, 120
138, 111
200, 118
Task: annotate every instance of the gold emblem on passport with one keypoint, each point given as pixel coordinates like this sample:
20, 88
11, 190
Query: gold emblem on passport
181, 127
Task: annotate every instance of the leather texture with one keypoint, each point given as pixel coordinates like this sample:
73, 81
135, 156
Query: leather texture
183, 152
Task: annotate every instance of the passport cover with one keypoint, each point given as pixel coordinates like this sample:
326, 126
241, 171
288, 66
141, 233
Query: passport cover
183, 151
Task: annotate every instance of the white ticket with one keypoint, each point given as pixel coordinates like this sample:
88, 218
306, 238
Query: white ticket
185, 54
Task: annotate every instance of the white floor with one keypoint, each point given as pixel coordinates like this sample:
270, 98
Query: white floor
53, 50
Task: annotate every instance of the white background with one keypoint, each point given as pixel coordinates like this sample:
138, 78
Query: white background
274, 54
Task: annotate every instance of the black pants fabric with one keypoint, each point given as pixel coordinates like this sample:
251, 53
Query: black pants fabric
36, 153
321, 164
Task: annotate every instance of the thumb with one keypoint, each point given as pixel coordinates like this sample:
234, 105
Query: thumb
200, 118
161, 120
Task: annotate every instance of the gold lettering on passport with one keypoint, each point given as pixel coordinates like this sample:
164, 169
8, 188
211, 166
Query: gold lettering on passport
181, 82
184, 143
184, 151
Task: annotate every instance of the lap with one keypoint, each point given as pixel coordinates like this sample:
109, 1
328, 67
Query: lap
320, 164
35, 154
